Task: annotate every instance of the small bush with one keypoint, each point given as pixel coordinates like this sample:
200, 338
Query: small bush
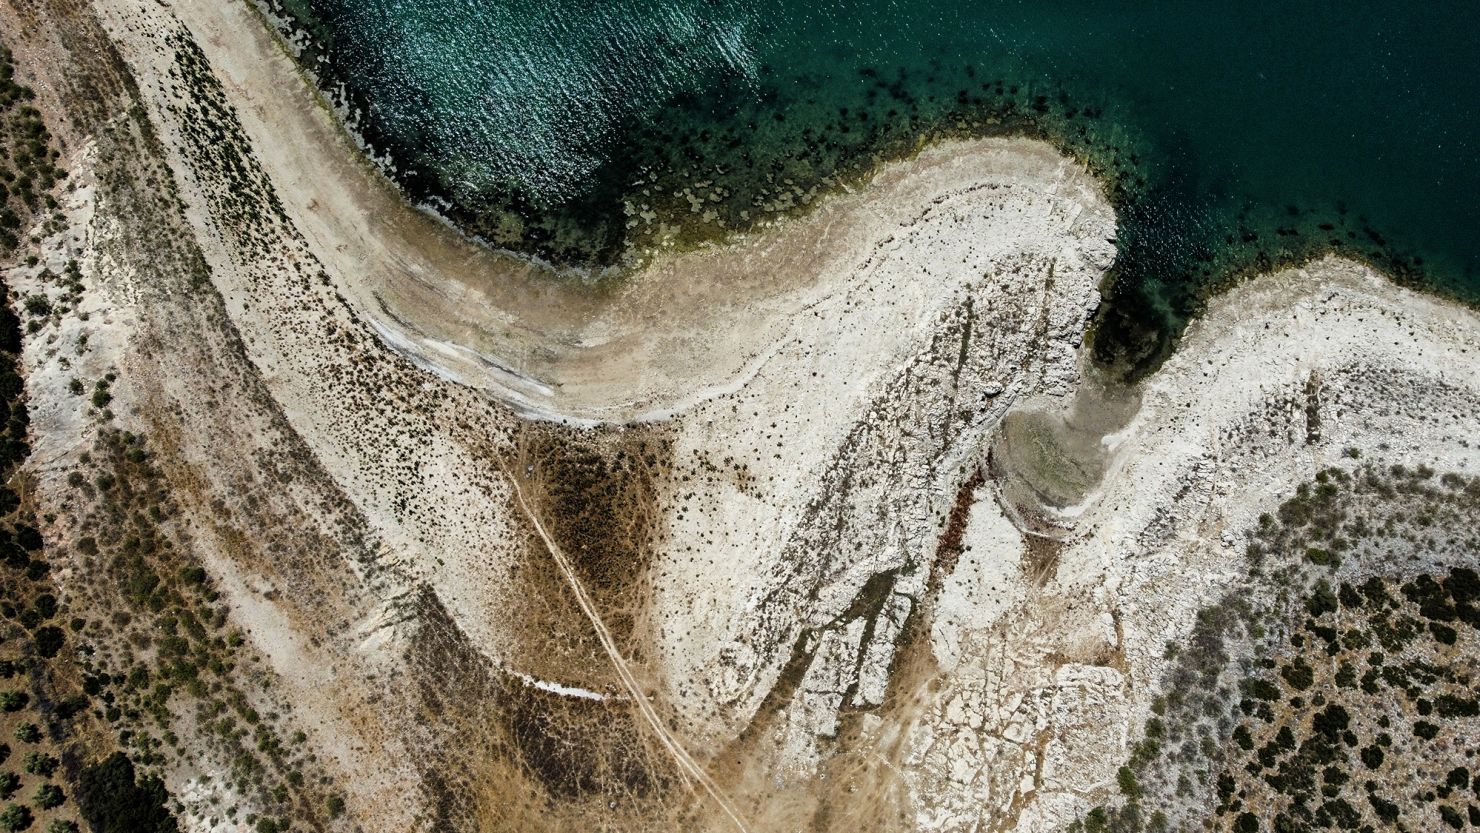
1130, 787
15, 817
112, 800
48, 796
39, 763
49, 641
37, 305
1298, 674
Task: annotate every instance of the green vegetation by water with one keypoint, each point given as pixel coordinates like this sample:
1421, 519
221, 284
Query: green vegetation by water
1233, 136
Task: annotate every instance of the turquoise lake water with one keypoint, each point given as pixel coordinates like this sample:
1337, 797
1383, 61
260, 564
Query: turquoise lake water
1234, 135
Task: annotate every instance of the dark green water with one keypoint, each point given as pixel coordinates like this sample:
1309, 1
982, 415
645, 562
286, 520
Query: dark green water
1235, 136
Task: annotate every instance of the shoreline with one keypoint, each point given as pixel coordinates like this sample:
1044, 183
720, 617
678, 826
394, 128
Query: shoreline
688, 322
588, 276
1127, 315
793, 567
858, 173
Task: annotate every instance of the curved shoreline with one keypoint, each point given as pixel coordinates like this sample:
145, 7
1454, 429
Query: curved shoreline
1139, 303
684, 328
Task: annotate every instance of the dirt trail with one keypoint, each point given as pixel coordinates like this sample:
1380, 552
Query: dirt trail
688, 767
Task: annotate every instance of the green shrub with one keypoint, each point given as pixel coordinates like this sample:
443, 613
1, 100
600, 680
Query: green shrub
48, 796
1322, 599
49, 640
15, 817
1298, 674
1372, 756
112, 800
1260, 689
39, 763
1125, 778
37, 305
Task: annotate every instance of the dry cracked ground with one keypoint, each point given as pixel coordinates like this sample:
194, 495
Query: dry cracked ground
322, 518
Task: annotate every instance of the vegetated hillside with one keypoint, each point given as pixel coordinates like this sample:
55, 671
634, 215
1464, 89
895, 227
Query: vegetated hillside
57, 769
167, 679
1336, 688
28, 167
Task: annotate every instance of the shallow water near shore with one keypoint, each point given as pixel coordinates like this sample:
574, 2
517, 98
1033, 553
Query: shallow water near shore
1233, 137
